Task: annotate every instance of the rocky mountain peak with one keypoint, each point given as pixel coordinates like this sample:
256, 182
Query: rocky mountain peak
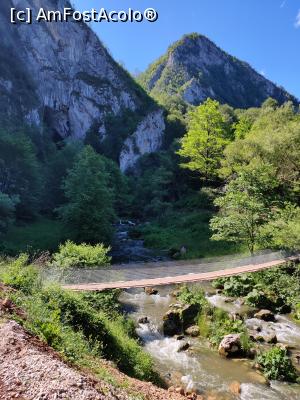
194, 68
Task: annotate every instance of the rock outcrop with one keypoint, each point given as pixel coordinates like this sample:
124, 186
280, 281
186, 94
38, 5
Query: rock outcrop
230, 345
194, 68
179, 318
146, 139
265, 315
60, 76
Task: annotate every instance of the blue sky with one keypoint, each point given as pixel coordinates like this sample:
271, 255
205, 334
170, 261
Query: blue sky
265, 33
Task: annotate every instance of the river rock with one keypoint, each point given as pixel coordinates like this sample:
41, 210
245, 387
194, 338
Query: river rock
193, 396
193, 331
183, 347
271, 338
180, 390
265, 315
230, 345
235, 388
143, 320
188, 314
234, 316
175, 293
172, 323
150, 291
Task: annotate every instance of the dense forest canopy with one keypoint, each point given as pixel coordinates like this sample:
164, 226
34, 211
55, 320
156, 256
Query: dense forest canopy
241, 166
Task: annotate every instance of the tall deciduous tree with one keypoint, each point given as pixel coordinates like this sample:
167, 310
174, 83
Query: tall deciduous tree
89, 211
19, 172
243, 209
202, 147
283, 229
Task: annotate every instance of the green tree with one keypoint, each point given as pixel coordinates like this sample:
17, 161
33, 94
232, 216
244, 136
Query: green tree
55, 171
7, 211
19, 172
89, 211
274, 139
242, 127
283, 229
243, 209
203, 144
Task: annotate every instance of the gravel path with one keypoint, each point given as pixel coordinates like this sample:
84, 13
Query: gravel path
31, 370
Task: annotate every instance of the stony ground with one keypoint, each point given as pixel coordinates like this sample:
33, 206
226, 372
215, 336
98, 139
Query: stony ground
31, 370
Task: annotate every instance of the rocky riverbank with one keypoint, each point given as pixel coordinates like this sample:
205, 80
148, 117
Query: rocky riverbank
220, 346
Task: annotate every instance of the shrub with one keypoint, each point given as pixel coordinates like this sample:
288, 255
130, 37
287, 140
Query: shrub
221, 325
276, 365
20, 275
236, 285
81, 255
192, 295
257, 298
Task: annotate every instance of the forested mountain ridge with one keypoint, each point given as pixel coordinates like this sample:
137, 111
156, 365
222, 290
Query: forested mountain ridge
74, 85
194, 68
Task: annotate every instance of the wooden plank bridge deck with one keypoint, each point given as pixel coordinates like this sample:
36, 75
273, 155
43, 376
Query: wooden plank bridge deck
185, 278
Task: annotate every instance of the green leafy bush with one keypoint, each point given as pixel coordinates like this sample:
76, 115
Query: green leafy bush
81, 255
21, 276
239, 285
221, 325
276, 365
192, 295
257, 298
276, 288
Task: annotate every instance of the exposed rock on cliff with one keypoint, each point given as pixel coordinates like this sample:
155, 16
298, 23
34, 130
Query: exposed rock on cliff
146, 139
194, 68
61, 76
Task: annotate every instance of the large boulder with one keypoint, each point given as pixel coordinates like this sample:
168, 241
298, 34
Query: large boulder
193, 331
172, 323
230, 345
183, 347
265, 315
188, 314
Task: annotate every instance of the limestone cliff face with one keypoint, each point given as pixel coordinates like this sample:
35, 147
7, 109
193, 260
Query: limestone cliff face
60, 75
146, 139
194, 68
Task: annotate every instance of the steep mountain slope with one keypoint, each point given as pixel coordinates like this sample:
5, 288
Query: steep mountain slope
194, 68
60, 75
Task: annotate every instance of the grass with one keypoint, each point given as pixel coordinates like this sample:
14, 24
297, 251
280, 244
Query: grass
38, 236
190, 229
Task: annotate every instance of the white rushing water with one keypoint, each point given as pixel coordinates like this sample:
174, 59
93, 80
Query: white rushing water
201, 368
286, 331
